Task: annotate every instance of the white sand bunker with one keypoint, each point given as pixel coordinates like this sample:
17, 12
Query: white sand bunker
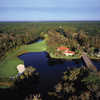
20, 68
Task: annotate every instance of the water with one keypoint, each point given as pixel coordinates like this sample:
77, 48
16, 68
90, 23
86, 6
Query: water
50, 70
39, 39
97, 64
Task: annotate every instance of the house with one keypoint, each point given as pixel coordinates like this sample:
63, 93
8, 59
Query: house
20, 68
66, 51
62, 48
97, 53
69, 53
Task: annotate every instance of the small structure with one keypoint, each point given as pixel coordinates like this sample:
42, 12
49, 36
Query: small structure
69, 53
66, 51
20, 68
62, 48
98, 54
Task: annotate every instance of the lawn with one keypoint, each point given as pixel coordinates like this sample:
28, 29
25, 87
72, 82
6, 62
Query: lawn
8, 65
65, 57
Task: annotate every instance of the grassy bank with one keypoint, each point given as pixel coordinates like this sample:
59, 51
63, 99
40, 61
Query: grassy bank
8, 65
65, 57
95, 58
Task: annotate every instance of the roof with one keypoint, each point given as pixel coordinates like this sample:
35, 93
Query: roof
62, 48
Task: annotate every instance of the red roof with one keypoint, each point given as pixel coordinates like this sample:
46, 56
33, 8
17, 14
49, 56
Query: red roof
62, 48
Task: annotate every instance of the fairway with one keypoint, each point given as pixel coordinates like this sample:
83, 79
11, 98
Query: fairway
8, 65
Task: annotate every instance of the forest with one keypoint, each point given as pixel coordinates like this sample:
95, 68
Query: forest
16, 33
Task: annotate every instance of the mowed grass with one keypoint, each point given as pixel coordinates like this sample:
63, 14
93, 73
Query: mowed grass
65, 57
9, 64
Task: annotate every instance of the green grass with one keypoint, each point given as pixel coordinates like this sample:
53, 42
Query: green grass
65, 57
8, 65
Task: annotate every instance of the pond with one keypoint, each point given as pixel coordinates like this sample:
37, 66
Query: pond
50, 70
96, 63
39, 39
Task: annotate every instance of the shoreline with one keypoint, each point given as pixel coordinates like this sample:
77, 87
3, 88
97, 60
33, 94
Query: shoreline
11, 61
71, 57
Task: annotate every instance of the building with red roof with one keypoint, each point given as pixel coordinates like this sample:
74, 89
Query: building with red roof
62, 48
66, 51
69, 53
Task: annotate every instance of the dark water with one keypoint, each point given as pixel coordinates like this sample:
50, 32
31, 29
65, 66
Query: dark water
39, 39
96, 63
50, 70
